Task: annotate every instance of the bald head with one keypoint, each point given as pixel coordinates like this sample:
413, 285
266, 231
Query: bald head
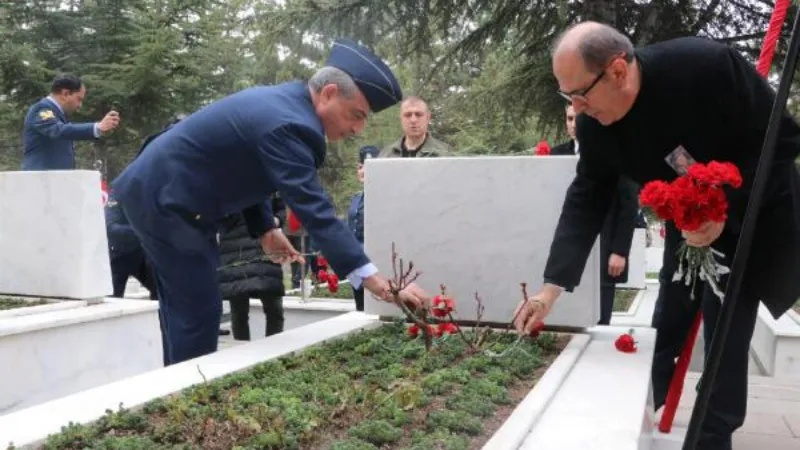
595, 68
594, 43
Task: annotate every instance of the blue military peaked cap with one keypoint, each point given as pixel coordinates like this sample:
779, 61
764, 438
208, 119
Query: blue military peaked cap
373, 77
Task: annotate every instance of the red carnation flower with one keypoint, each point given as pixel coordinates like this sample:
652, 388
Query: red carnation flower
322, 276
322, 262
537, 329
414, 330
542, 148
446, 328
442, 306
625, 343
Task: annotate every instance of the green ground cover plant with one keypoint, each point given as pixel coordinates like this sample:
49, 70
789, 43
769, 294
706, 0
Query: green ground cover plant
376, 389
14, 302
623, 299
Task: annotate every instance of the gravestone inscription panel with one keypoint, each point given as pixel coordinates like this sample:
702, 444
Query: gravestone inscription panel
480, 224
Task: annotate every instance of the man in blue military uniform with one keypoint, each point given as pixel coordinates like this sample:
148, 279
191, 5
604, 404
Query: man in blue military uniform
229, 157
355, 214
48, 136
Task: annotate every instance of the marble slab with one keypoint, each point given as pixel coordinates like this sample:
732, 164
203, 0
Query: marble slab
637, 261
52, 235
605, 403
57, 353
31, 425
475, 224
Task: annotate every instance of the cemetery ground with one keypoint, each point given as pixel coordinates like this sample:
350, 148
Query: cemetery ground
374, 389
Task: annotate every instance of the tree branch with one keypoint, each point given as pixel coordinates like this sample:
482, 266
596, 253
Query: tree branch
742, 37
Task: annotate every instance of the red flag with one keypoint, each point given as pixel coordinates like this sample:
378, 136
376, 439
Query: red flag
104, 190
294, 224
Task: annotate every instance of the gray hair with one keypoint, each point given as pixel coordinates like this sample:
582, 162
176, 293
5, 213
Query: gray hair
599, 44
331, 75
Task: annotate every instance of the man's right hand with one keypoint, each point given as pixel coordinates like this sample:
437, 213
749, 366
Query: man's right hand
109, 122
412, 296
533, 311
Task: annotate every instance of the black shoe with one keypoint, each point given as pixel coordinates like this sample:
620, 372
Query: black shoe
224, 332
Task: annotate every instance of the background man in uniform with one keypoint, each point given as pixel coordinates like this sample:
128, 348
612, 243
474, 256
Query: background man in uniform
355, 214
630, 121
48, 136
416, 140
617, 233
229, 157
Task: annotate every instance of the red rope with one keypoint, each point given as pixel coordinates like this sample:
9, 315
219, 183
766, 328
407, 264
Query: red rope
682, 366
772, 36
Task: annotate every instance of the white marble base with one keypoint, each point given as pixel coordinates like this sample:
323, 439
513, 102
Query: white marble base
475, 224
776, 344
53, 235
605, 403
564, 411
637, 261
48, 355
655, 258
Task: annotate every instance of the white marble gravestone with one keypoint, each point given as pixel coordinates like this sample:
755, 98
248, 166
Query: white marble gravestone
52, 235
480, 223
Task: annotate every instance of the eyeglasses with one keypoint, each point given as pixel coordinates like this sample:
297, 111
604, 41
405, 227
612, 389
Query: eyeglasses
581, 94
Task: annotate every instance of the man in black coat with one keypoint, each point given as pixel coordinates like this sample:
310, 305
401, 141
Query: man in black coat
245, 272
636, 110
617, 233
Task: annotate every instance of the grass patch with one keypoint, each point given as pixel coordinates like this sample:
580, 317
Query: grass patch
652, 275
623, 299
14, 303
377, 389
345, 291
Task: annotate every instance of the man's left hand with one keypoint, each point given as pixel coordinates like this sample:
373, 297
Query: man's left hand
278, 248
705, 235
616, 265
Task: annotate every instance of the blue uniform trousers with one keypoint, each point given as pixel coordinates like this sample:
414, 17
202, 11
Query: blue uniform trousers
186, 276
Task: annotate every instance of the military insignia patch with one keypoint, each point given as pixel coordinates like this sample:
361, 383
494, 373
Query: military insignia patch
46, 114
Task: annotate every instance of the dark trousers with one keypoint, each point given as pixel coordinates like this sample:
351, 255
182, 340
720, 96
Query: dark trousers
185, 260
359, 296
240, 315
607, 294
673, 317
132, 264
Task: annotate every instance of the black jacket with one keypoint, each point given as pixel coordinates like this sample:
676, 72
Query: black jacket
617, 233
244, 268
716, 108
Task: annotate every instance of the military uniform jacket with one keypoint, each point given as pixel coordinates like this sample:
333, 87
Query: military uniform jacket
230, 157
48, 137
707, 98
431, 147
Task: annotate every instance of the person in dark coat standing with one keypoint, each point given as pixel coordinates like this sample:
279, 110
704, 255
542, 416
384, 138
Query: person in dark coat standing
230, 157
637, 108
244, 272
47, 133
617, 232
125, 252
355, 214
